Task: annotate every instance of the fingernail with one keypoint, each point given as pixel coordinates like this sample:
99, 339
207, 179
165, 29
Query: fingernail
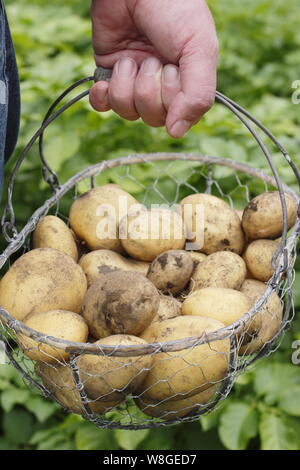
170, 74
180, 128
151, 66
126, 68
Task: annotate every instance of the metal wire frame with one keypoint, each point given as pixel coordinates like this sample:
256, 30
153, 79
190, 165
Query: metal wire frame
281, 259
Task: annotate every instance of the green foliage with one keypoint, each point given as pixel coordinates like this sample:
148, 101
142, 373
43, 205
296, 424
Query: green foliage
259, 60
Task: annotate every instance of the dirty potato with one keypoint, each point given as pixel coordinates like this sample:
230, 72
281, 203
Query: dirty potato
258, 258
123, 302
41, 280
220, 223
221, 269
171, 271
263, 217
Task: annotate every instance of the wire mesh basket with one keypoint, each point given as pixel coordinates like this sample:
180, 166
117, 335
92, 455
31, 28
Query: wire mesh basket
109, 383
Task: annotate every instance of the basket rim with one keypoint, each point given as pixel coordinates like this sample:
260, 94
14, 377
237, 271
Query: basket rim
75, 348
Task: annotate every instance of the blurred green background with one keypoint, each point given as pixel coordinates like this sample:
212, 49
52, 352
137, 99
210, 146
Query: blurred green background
259, 61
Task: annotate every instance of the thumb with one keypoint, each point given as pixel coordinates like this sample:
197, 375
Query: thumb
198, 87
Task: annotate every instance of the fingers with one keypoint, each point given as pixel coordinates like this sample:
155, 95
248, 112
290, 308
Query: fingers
121, 89
148, 94
198, 88
99, 97
170, 84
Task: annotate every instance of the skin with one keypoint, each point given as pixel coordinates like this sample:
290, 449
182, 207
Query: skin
164, 58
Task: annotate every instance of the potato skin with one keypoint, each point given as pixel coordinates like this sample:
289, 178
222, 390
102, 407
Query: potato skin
52, 232
173, 409
168, 229
222, 226
122, 303
168, 308
186, 372
87, 224
60, 382
221, 269
110, 378
224, 305
98, 263
258, 258
269, 317
263, 217
41, 280
59, 324
171, 271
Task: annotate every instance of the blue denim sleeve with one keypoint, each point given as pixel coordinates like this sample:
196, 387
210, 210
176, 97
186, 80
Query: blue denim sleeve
9, 95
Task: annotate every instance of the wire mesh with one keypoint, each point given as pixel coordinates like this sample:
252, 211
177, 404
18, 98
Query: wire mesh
155, 380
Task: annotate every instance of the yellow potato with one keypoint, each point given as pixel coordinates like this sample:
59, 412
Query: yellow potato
220, 224
263, 217
171, 271
173, 409
59, 324
100, 262
224, 305
109, 377
269, 316
95, 216
148, 233
41, 280
59, 380
52, 232
258, 258
168, 308
122, 303
189, 371
221, 269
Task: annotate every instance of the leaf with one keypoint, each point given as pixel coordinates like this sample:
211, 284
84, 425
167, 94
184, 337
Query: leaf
278, 433
158, 439
18, 426
238, 425
13, 396
129, 440
290, 401
60, 148
272, 379
89, 437
41, 408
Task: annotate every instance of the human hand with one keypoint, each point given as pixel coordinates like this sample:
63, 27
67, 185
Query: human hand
164, 57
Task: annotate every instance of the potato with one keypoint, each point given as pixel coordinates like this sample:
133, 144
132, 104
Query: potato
95, 216
52, 232
98, 263
171, 271
189, 371
225, 305
41, 280
168, 308
258, 258
60, 382
111, 377
59, 324
174, 409
148, 233
269, 317
263, 216
221, 269
123, 302
222, 226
